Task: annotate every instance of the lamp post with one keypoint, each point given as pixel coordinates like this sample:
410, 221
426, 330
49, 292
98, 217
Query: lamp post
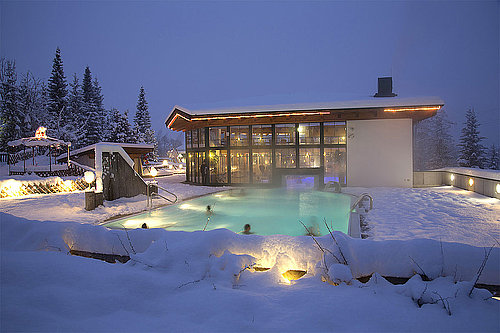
92, 199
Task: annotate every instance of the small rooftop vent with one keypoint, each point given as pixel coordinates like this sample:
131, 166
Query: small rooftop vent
385, 87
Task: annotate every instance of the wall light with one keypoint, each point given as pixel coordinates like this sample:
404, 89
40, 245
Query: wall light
497, 188
452, 177
471, 181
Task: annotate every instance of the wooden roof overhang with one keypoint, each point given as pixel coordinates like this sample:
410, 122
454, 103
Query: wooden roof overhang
180, 120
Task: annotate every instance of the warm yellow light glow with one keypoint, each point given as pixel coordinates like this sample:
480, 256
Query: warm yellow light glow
173, 119
452, 177
262, 115
301, 129
497, 188
40, 133
153, 171
471, 181
164, 163
89, 176
425, 108
185, 206
293, 274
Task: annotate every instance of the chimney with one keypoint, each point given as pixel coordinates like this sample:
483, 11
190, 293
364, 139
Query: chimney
385, 87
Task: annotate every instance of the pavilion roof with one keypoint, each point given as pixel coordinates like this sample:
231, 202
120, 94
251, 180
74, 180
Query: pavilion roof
36, 142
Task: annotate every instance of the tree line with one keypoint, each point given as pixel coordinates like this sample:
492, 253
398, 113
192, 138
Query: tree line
435, 147
71, 112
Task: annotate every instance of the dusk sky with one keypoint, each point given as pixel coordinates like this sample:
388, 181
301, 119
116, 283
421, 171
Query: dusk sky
223, 54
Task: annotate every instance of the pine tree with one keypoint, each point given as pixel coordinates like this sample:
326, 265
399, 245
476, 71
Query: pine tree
102, 113
442, 146
57, 95
91, 127
142, 121
10, 117
471, 150
76, 114
493, 162
121, 130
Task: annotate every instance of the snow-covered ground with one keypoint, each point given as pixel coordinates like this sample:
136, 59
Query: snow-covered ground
179, 281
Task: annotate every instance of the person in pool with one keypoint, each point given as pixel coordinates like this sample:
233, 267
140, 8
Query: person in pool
246, 230
209, 211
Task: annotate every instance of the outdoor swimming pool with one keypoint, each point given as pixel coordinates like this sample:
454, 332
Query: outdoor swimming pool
268, 211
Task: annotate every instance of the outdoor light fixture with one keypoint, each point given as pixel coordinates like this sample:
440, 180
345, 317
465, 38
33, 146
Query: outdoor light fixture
426, 108
164, 163
89, 177
471, 181
452, 177
153, 171
497, 188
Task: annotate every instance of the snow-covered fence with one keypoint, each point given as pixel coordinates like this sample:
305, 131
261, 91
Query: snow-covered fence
485, 182
18, 188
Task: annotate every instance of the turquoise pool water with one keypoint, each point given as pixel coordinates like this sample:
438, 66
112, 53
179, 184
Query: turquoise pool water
268, 211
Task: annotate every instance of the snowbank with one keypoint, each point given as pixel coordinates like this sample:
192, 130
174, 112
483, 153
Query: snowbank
483, 173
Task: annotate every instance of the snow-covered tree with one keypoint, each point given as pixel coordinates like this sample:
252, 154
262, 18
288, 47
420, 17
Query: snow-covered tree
471, 150
434, 145
102, 113
91, 127
142, 123
10, 117
121, 130
76, 114
493, 161
57, 96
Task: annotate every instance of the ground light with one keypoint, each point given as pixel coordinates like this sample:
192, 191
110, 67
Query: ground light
452, 177
471, 181
164, 163
153, 172
497, 188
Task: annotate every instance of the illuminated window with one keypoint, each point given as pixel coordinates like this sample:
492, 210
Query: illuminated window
262, 164
309, 133
334, 132
286, 158
218, 166
188, 139
239, 136
309, 158
240, 166
194, 138
285, 134
262, 135
335, 165
201, 141
218, 136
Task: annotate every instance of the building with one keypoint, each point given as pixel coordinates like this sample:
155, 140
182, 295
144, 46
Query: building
356, 143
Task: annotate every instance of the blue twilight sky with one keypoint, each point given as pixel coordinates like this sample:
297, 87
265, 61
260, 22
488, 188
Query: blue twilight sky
222, 53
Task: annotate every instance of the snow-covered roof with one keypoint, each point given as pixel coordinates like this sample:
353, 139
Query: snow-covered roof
36, 142
374, 102
123, 145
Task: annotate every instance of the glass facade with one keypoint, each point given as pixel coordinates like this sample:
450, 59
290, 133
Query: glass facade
262, 154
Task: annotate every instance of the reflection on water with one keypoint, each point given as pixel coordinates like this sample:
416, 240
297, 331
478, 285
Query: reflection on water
268, 211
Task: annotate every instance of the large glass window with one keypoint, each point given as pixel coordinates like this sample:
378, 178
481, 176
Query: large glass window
194, 138
201, 141
218, 166
218, 136
335, 165
285, 134
188, 139
309, 158
240, 166
286, 158
309, 133
239, 136
262, 135
335, 132
262, 164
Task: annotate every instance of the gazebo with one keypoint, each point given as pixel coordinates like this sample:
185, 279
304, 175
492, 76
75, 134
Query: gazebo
39, 140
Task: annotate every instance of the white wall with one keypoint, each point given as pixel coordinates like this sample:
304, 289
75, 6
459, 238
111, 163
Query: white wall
379, 153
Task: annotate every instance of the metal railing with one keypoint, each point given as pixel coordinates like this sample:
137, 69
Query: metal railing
150, 193
361, 198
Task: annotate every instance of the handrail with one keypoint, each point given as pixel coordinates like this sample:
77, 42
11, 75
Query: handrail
361, 197
164, 189
150, 194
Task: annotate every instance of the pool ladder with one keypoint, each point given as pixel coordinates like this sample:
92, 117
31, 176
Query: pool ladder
360, 199
152, 189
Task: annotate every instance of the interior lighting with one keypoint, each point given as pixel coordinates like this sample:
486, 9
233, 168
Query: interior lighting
89, 177
471, 181
153, 171
425, 108
452, 177
260, 116
497, 188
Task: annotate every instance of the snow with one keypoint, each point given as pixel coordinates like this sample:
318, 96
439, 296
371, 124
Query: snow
348, 104
441, 213
205, 281
482, 173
